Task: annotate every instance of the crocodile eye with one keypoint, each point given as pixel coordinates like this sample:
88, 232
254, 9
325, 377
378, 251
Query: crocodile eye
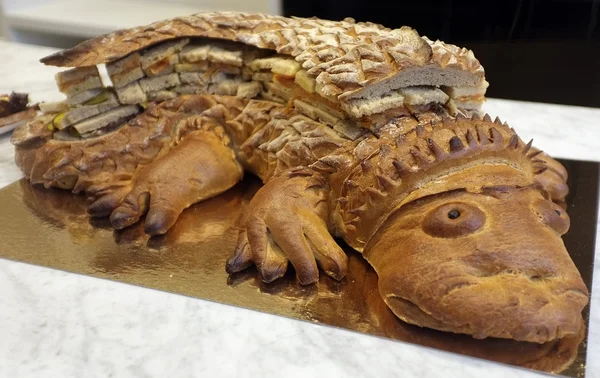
453, 214
552, 215
453, 220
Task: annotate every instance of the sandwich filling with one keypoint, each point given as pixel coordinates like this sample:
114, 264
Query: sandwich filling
195, 66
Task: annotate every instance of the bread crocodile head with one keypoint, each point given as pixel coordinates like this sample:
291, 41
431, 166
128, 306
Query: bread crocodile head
494, 260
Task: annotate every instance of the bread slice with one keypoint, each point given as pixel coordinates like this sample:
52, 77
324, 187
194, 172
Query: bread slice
281, 65
278, 90
191, 89
161, 95
228, 87
214, 52
192, 67
369, 106
153, 84
469, 103
53, 107
194, 53
249, 90
195, 78
305, 81
77, 80
226, 54
84, 96
104, 119
80, 113
423, 95
126, 70
162, 51
315, 113
131, 94
263, 76
456, 92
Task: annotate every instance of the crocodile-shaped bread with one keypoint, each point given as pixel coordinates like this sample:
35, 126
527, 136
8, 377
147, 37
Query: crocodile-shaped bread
359, 132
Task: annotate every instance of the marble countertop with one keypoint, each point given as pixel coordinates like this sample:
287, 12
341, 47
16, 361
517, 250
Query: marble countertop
54, 323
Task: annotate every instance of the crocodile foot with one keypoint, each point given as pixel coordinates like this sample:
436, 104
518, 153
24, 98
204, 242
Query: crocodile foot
199, 167
286, 221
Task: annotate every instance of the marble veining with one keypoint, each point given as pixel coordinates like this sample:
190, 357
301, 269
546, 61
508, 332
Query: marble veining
54, 323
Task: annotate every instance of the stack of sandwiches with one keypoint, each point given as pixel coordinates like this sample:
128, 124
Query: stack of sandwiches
351, 91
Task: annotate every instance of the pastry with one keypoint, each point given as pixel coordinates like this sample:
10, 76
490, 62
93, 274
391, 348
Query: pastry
360, 132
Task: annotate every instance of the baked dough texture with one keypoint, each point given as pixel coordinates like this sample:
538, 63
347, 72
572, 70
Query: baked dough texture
355, 131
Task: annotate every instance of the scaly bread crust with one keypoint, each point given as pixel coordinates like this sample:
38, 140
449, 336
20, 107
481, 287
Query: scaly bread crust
345, 57
109, 161
410, 159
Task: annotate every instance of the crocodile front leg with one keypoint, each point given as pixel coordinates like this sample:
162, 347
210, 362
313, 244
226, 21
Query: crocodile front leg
287, 220
199, 167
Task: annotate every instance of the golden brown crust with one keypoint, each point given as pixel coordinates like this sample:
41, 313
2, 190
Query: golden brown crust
492, 279
452, 56
554, 356
266, 137
286, 141
410, 154
285, 221
108, 161
201, 166
553, 178
344, 56
361, 184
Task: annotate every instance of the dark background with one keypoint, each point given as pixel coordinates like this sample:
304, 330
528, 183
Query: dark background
533, 50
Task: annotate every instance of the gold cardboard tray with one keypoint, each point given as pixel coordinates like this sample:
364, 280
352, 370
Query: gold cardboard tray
51, 228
